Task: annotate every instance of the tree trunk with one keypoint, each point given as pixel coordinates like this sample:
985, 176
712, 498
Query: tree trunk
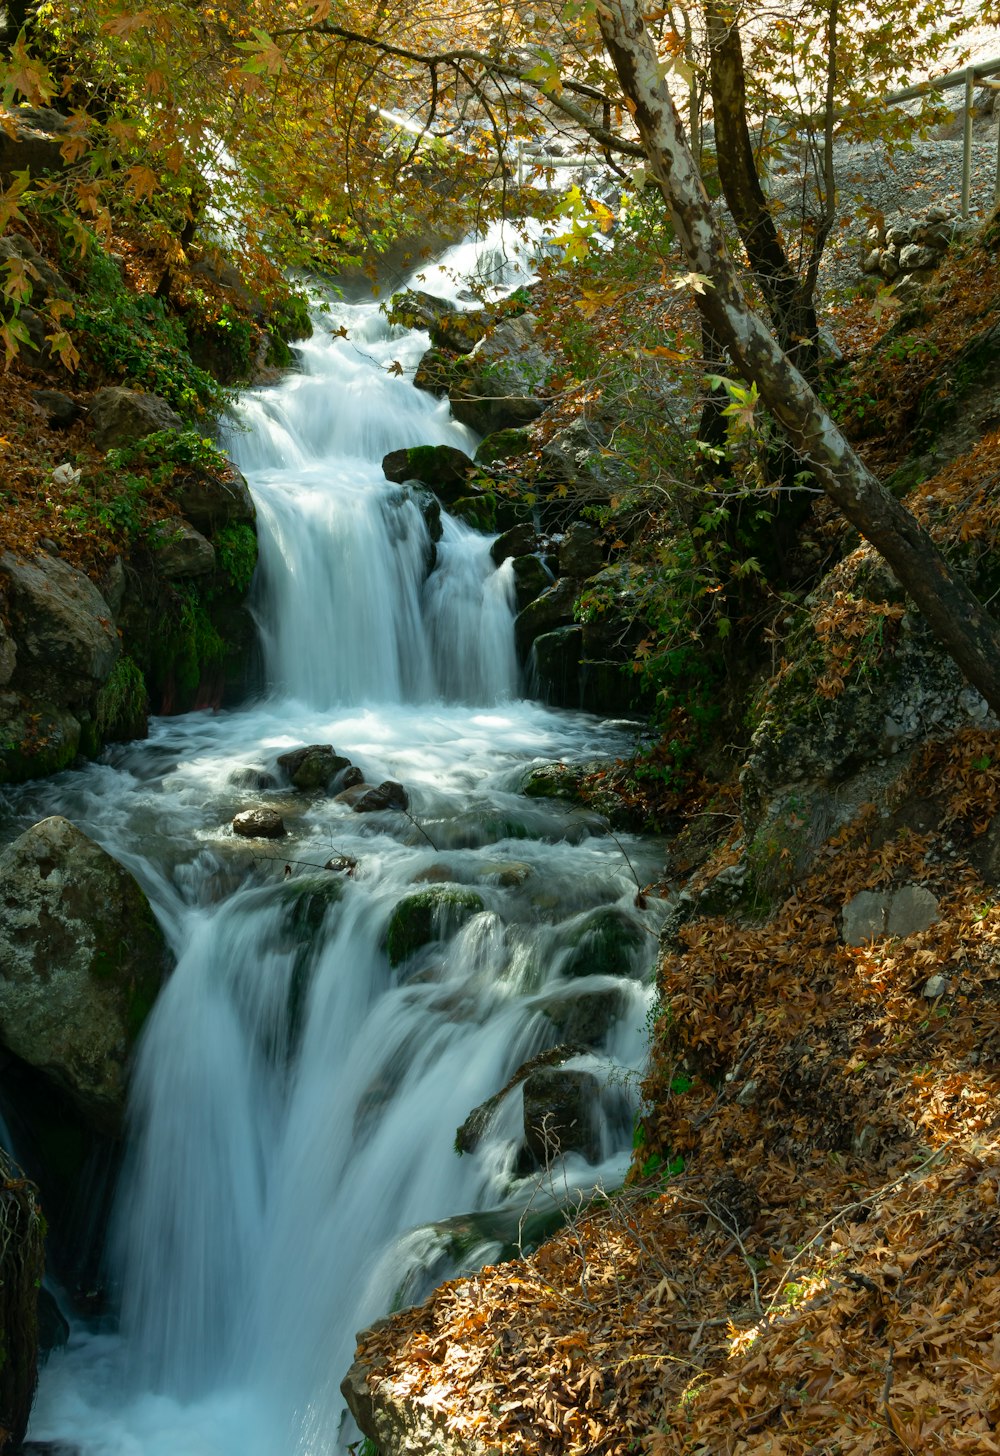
952, 611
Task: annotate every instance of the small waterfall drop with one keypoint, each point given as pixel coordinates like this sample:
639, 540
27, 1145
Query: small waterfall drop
291, 1170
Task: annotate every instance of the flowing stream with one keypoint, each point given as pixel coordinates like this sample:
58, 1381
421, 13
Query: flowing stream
291, 1171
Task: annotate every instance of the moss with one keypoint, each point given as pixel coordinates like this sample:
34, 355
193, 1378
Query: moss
428, 915
503, 445
122, 703
308, 898
606, 943
236, 552
34, 744
477, 511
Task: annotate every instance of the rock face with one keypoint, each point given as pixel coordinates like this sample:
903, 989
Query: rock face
211, 501
81, 960
559, 1115
66, 642
180, 551
121, 416
497, 386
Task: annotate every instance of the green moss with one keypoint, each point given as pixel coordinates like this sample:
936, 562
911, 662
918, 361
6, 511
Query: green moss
428, 915
121, 703
34, 744
503, 445
606, 943
477, 511
236, 552
308, 898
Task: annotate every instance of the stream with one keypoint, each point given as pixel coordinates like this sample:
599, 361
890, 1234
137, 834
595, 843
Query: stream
291, 1171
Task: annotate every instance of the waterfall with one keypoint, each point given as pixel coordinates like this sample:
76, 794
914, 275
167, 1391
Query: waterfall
291, 1167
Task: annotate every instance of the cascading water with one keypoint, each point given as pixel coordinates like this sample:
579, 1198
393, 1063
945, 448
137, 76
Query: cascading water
291, 1170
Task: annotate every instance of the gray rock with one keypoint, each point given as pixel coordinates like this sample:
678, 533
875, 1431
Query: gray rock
65, 637
313, 767
586, 1017
81, 960
211, 501
36, 143
497, 386
914, 256
864, 917
580, 553
912, 909
259, 824
936, 986
121, 416
180, 551
371, 799
560, 1115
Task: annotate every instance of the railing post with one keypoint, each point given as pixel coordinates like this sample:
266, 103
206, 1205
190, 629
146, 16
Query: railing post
970, 99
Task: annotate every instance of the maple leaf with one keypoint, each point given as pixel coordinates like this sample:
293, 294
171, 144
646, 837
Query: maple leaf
24, 75
142, 181
126, 25
395, 368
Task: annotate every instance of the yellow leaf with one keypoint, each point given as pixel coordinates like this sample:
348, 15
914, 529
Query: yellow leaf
142, 181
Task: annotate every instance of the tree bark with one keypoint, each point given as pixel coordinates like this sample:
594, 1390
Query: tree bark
952, 611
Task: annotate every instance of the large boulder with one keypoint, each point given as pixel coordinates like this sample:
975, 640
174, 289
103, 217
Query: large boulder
443, 468
471, 1133
314, 766
66, 641
608, 941
498, 386
36, 738
81, 961
551, 609
121, 416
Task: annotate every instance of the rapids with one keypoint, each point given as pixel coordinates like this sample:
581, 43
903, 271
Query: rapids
291, 1164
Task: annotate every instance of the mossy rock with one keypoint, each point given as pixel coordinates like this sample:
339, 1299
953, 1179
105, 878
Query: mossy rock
309, 897
443, 468
35, 742
477, 511
503, 445
606, 942
530, 580
431, 914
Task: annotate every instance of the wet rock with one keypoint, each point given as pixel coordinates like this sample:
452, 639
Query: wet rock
604, 942
121, 416
585, 1018
432, 914
520, 540
555, 667
341, 864
8, 655
552, 609
560, 1115
434, 372
180, 551
66, 641
470, 1134
253, 778
443, 468
531, 579
81, 959
371, 799
313, 767
414, 309
259, 824
36, 738
350, 778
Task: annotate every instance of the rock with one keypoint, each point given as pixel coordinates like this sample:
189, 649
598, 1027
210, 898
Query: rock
477, 511
313, 767
603, 942
864, 917
351, 777
37, 738
913, 256
936, 986
531, 578
56, 408
560, 1115
553, 608
899, 913
432, 914
470, 1134
259, 824
496, 387
434, 372
66, 640
503, 445
429, 507
586, 1017
580, 553
519, 541
121, 416
414, 309
555, 667
49, 281
443, 468
576, 455
368, 799
211, 501
81, 960
253, 778
460, 331
341, 864
34, 142
8, 655
912, 909
179, 550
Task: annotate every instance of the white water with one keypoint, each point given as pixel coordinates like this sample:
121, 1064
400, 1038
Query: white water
295, 1100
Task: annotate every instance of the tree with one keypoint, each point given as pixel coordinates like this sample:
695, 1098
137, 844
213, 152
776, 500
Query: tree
954, 614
